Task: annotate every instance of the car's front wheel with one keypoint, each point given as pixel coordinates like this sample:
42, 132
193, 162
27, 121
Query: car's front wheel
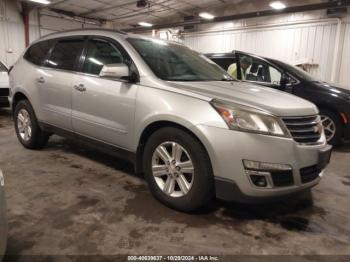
178, 169
27, 128
332, 126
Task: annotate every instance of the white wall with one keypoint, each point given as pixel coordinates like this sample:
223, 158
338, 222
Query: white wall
291, 38
11, 32
303, 36
49, 24
12, 40
344, 78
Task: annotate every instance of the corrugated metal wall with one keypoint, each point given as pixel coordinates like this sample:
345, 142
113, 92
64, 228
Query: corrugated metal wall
12, 42
11, 32
311, 42
295, 37
344, 78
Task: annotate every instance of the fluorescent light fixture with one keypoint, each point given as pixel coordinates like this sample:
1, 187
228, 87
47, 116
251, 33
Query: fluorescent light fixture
277, 5
52, 63
206, 15
95, 61
145, 24
44, 2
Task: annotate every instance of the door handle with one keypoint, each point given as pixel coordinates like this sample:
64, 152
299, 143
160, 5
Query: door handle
80, 88
41, 80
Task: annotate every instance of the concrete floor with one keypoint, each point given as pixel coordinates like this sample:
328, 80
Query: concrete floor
69, 200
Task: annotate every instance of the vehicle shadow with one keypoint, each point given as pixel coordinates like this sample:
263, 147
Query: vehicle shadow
5, 111
5, 114
282, 212
345, 148
73, 147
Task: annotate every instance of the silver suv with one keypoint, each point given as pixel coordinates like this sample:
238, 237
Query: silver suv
184, 122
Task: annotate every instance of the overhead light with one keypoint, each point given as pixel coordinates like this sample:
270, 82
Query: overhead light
277, 5
44, 2
52, 63
95, 61
206, 15
145, 24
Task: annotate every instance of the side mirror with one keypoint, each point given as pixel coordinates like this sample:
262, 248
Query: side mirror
120, 71
284, 81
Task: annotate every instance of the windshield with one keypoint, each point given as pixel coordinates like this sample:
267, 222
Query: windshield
298, 72
174, 62
2, 68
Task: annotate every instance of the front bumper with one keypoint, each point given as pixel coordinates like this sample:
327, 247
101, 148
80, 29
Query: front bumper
227, 149
3, 219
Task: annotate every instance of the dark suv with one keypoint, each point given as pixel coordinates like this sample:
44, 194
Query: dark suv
332, 101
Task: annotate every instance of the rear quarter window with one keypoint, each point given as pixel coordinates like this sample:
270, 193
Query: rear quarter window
38, 52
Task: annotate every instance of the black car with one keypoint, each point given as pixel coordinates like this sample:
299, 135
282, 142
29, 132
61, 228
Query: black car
333, 102
4, 86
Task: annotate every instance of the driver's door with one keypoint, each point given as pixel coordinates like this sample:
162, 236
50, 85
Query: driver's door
260, 72
103, 108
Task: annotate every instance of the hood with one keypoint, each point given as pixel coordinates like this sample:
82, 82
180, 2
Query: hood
263, 98
4, 79
335, 89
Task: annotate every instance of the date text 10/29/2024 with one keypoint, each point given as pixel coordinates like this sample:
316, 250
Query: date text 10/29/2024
173, 258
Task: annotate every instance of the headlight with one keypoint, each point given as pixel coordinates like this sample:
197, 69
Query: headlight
243, 118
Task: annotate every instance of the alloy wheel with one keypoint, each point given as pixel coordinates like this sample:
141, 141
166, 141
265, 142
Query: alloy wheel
24, 125
172, 169
329, 127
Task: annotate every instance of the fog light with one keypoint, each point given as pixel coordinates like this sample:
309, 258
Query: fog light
259, 178
255, 165
259, 181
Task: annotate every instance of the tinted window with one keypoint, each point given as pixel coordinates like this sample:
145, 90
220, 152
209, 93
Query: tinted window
38, 52
224, 62
297, 71
2, 68
174, 62
100, 53
65, 54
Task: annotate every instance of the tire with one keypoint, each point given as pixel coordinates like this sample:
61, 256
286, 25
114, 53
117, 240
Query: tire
36, 138
201, 181
331, 120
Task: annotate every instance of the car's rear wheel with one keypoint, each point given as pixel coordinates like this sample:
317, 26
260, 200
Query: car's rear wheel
27, 128
332, 126
178, 169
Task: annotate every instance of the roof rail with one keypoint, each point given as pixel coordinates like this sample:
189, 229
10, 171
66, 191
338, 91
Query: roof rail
88, 29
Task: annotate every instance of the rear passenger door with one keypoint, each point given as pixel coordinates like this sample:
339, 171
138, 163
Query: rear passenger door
103, 108
56, 80
33, 76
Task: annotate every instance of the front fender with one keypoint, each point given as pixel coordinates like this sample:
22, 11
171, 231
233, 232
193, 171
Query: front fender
155, 106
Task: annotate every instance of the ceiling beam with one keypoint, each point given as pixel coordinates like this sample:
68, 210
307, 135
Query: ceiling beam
107, 8
171, 8
58, 2
291, 9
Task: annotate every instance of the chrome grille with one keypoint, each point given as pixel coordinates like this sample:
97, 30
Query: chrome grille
305, 130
